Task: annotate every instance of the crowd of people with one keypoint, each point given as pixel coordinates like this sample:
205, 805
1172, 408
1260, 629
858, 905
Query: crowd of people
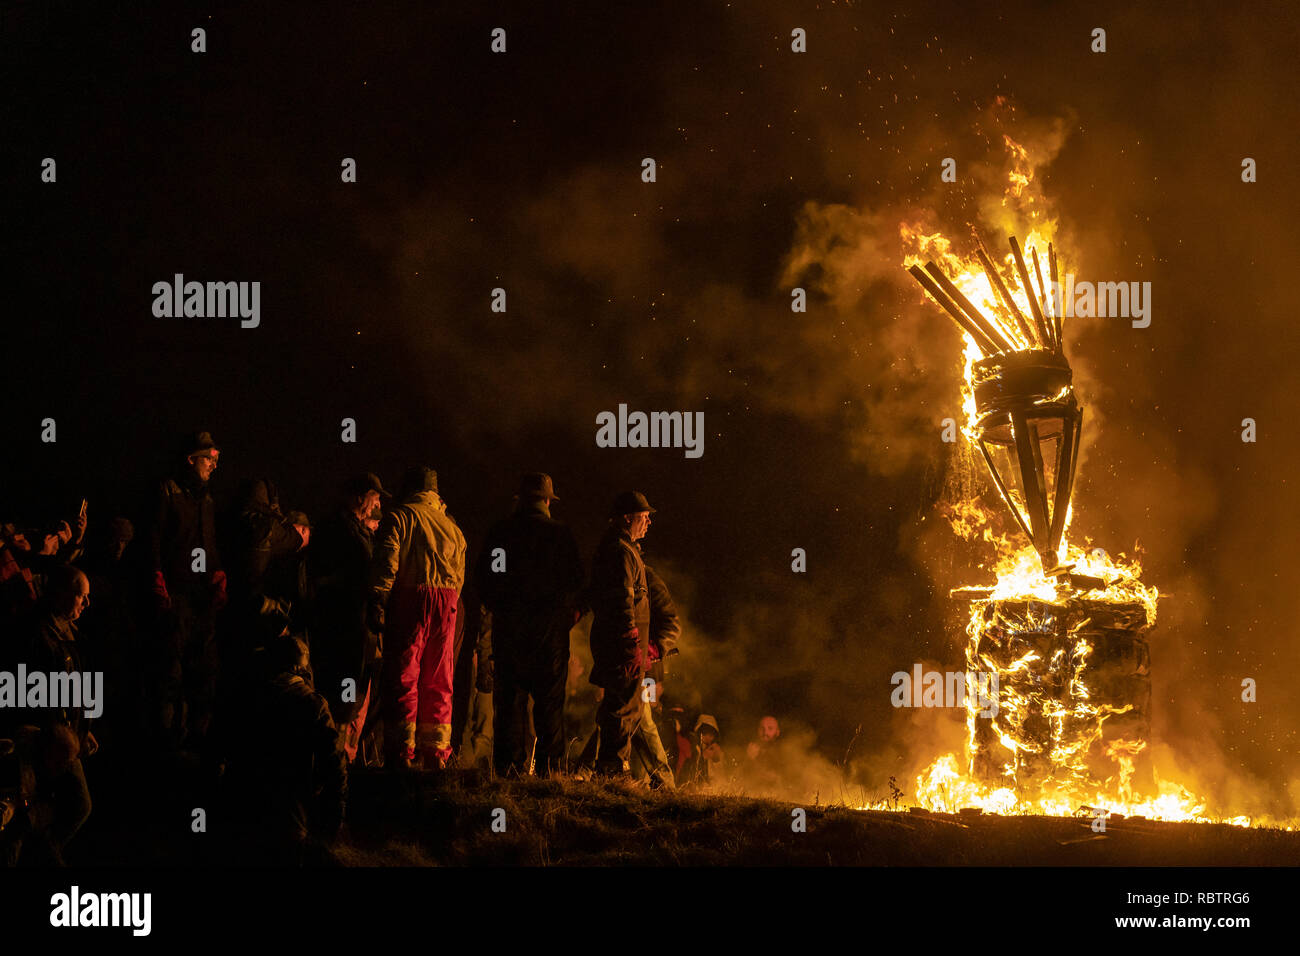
278, 656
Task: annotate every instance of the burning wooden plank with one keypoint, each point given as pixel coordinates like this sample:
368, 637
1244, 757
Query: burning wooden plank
986, 344
1013, 313
1058, 310
1039, 322
992, 332
1042, 298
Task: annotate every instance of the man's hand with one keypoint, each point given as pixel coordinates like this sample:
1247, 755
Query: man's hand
92, 745
219, 596
375, 616
636, 662
160, 592
81, 523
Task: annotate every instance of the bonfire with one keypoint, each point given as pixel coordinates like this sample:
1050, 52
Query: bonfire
1065, 628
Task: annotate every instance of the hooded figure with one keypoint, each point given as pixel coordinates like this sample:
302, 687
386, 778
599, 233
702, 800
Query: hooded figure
704, 751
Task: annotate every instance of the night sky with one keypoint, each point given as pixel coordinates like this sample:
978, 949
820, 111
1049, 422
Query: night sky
522, 170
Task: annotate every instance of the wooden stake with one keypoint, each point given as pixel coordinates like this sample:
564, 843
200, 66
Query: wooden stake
1058, 296
1042, 296
1008, 304
1029, 292
973, 313
983, 341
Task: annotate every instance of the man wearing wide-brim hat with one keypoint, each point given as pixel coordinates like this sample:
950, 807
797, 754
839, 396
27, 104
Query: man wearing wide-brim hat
620, 631
529, 575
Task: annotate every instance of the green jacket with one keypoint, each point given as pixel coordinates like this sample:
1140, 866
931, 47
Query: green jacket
620, 601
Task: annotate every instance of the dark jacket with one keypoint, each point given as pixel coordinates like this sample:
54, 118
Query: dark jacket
292, 772
184, 519
665, 629
534, 599
54, 650
264, 543
620, 600
338, 566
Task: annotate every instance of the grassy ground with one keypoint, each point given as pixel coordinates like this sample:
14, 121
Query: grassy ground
448, 820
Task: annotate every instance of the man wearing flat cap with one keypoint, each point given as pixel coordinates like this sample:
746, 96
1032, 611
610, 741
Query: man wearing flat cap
416, 577
189, 588
343, 647
620, 632
529, 575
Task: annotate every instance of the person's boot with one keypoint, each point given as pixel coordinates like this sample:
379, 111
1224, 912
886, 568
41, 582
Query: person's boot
370, 755
401, 761
615, 772
436, 760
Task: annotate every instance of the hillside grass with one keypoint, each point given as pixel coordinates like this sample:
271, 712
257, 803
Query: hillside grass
447, 820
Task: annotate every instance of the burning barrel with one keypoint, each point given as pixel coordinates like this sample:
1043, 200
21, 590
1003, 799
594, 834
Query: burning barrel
1074, 696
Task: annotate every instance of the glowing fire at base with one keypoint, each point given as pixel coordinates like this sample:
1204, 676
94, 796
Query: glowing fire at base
1070, 733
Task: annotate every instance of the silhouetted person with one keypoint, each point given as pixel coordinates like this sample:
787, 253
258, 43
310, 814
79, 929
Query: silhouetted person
260, 537
529, 576
343, 647
286, 574
61, 794
288, 776
189, 587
